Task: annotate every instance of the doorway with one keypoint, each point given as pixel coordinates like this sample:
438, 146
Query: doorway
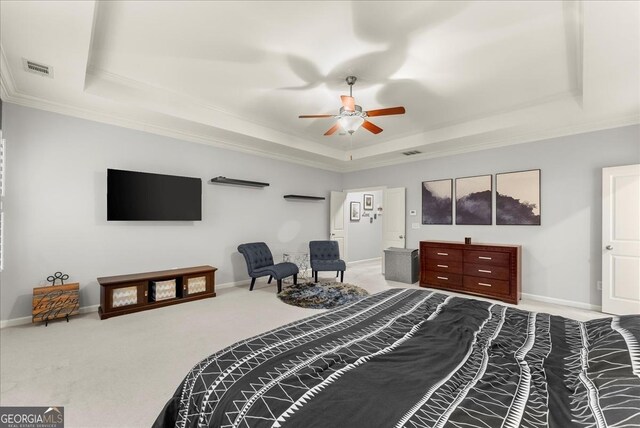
363, 224
386, 206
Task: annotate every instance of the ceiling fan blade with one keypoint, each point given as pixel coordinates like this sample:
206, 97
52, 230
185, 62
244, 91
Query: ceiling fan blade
333, 129
371, 127
314, 116
386, 111
349, 103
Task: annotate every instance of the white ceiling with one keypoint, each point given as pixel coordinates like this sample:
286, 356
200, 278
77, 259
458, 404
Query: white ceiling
472, 75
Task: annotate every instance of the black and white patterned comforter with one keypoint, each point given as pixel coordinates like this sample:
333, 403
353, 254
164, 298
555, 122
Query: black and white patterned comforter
420, 359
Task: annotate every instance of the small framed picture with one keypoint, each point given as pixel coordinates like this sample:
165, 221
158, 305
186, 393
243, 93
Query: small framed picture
368, 202
354, 210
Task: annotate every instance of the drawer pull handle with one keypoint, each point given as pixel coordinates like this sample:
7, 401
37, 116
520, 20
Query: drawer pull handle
443, 254
484, 258
484, 271
444, 266
443, 277
485, 284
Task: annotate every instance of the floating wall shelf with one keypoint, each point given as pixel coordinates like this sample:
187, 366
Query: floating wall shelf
309, 198
236, 182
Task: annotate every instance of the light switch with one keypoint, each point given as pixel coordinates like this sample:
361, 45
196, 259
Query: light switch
412, 212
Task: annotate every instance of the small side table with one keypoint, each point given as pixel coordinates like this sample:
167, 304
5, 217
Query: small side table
299, 259
55, 301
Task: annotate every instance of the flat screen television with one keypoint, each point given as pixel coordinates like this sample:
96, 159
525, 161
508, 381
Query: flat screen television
135, 195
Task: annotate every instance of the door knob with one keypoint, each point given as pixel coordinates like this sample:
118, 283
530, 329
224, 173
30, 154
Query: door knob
609, 247
400, 236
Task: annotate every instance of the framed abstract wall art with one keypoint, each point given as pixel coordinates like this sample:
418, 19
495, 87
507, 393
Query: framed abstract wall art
518, 198
473, 200
437, 206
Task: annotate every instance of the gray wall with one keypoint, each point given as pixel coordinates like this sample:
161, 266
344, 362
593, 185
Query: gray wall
562, 257
55, 206
364, 238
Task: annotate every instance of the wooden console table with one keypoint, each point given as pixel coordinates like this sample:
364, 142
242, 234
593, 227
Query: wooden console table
124, 294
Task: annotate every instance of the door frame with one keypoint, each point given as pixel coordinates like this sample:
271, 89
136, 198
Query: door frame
611, 248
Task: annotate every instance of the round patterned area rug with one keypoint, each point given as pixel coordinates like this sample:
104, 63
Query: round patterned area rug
321, 295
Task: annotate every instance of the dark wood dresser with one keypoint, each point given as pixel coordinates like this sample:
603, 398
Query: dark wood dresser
488, 270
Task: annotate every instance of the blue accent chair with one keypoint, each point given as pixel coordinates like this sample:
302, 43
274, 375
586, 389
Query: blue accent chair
325, 256
260, 263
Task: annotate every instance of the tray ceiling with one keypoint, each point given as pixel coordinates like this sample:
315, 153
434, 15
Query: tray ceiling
471, 75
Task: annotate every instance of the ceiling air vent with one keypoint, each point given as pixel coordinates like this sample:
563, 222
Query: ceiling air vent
40, 69
411, 152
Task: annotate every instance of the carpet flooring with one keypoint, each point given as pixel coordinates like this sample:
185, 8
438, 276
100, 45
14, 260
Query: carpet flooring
120, 372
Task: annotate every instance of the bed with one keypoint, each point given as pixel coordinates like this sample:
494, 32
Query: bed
417, 358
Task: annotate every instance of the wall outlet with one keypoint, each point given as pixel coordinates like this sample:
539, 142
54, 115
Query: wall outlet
599, 285
415, 225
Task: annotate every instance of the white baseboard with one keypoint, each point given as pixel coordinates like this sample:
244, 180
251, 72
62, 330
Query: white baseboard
234, 284
571, 303
27, 320
365, 261
93, 308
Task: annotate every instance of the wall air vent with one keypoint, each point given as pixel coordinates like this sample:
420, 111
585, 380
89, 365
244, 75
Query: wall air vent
412, 152
37, 68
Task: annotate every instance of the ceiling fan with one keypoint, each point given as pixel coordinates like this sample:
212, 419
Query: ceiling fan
351, 116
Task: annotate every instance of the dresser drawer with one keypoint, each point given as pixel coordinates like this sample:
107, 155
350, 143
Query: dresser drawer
486, 258
486, 271
486, 285
444, 279
444, 266
443, 254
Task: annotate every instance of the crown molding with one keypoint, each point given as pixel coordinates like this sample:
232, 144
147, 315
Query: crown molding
82, 113
7, 82
11, 94
142, 86
338, 166
117, 79
528, 137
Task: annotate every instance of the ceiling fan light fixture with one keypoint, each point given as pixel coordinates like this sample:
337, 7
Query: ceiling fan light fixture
351, 116
351, 123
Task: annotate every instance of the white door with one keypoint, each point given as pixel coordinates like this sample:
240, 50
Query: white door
621, 240
336, 222
393, 219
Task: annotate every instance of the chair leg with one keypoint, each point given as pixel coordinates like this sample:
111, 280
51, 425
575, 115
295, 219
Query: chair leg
270, 278
316, 276
253, 282
337, 272
295, 279
341, 276
279, 285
